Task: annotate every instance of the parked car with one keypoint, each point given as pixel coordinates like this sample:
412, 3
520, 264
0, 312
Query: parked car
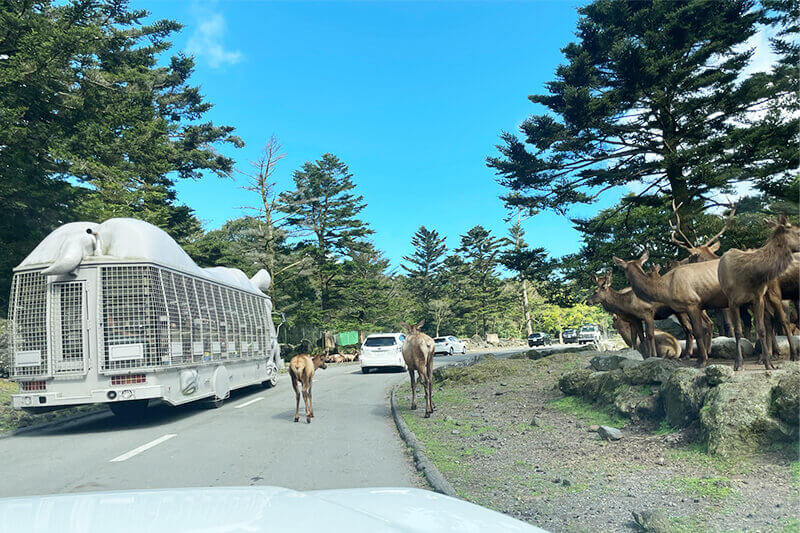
539, 339
383, 350
570, 335
449, 345
589, 333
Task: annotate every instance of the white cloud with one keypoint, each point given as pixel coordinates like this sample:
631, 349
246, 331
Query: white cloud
207, 40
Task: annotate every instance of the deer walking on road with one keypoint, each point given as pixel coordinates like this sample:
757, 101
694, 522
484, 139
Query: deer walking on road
418, 350
302, 368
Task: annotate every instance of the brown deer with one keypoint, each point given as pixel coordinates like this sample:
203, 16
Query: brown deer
629, 307
667, 346
418, 350
687, 289
302, 368
745, 275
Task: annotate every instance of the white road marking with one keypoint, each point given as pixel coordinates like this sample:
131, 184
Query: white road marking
142, 448
245, 404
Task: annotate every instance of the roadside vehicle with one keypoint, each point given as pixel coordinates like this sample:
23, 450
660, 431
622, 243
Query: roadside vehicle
382, 350
449, 345
539, 339
117, 313
570, 335
589, 333
255, 509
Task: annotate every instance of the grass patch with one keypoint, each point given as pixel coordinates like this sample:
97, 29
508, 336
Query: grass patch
488, 369
664, 428
715, 488
791, 526
697, 455
588, 412
794, 468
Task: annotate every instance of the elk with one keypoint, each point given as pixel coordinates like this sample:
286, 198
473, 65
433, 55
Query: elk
302, 368
418, 350
745, 275
687, 289
634, 310
667, 346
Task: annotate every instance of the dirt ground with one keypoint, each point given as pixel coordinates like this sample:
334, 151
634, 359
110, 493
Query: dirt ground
507, 439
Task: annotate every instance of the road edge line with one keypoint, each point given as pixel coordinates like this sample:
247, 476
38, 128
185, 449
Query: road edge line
432, 475
52, 423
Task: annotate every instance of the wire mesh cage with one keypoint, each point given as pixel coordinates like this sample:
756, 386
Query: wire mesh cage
28, 324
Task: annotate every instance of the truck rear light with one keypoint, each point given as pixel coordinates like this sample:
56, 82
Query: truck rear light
30, 386
127, 380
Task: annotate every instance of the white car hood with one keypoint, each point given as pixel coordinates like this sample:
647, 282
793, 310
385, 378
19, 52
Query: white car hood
252, 509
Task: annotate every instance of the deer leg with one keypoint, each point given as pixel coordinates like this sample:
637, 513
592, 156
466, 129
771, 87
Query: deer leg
777, 311
297, 397
424, 378
699, 330
413, 389
683, 318
650, 335
736, 321
306, 401
747, 322
430, 379
637, 336
761, 332
310, 402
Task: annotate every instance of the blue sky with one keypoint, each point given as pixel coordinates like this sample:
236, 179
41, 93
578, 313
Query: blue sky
412, 96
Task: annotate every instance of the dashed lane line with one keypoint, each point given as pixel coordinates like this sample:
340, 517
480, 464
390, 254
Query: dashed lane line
142, 448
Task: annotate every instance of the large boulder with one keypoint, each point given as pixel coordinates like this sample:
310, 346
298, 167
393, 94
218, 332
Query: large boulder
670, 326
725, 348
617, 360
649, 371
574, 383
682, 395
492, 339
638, 402
716, 374
786, 396
602, 386
736, 416
782, 344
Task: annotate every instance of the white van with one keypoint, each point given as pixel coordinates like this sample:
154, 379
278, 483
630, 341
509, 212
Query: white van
383, 350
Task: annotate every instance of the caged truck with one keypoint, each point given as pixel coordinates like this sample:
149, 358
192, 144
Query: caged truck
118, 313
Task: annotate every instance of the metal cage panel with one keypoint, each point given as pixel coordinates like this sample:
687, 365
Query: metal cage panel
68, 327
156, 318
28, 315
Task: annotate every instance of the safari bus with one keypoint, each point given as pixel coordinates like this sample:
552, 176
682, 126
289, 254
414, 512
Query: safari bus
118, 313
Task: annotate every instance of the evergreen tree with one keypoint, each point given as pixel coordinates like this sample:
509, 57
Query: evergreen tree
482, 251
651, 93
425, 266
323, 211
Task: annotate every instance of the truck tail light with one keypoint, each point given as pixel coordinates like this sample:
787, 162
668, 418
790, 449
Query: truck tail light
127, 380
30, 386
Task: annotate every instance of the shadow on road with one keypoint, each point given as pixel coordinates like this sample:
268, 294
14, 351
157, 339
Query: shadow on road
155, 415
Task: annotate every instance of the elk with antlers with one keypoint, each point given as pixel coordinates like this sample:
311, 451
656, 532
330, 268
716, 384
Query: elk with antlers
418, 350
302, 368
698, 252
745, 275
688, 289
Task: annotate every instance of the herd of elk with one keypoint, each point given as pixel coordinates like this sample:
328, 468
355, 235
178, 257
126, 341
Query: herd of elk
705, 282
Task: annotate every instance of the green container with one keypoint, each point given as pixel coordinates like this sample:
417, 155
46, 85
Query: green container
347, 338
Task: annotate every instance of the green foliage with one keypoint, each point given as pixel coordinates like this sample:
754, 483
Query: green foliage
483, 288
716, 488
588, 412
426, 264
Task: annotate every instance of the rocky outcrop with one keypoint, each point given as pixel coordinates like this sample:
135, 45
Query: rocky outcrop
683, 394
652, 370
725, 348
617, 360
785, 401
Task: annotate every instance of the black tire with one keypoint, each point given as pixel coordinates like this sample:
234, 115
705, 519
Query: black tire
451, 351
364, 370
214, 402
129, 410
268, 384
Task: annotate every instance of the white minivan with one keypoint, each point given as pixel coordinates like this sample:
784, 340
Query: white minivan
382, 350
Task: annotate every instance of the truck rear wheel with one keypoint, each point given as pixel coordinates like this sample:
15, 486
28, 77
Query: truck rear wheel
130, 410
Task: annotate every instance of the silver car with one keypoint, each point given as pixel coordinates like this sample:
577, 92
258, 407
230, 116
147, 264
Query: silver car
449, 345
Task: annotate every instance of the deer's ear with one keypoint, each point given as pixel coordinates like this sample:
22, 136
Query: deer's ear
714, 247
421, 323
645, 257
619, 262
405, 326
782, 221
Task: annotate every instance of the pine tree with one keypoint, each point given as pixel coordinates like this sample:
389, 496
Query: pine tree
425, 266
323, 211
482, 252
651, 93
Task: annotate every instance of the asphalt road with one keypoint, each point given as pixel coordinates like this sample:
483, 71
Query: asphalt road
250, 440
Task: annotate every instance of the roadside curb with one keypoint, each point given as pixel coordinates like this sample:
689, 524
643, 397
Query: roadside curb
52, 423
421, 461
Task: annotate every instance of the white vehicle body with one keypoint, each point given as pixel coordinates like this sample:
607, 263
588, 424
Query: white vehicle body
589, 333
114, 312
382, 350
253, 509
449, 345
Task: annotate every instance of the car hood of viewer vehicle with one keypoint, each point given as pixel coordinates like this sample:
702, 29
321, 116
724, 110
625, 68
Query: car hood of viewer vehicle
252, 509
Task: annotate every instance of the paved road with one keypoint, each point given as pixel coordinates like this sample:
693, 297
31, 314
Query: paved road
251, 440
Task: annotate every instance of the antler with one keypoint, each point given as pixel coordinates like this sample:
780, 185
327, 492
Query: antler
725, 226
676, 228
